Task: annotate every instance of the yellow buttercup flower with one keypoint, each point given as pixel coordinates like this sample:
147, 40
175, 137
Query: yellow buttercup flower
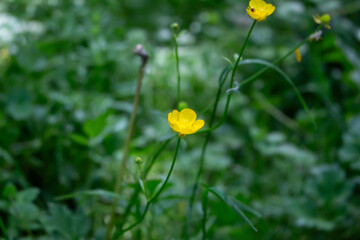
259, 10
184, 122
298, 55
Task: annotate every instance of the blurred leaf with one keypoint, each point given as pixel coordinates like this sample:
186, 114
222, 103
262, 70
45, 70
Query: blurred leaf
350, 150
79, 139
94, 127
19, 104
63, 222
96, 193
233, 205
27, 195
287, 79
9, 191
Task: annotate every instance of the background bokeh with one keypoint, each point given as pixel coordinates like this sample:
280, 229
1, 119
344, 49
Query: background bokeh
67, 79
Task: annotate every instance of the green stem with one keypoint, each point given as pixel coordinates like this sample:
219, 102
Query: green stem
222, 79
241, 54
155, 196
253, 77
138, 189
122, 169
177, 68
207, 138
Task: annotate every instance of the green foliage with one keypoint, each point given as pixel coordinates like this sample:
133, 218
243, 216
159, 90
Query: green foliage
67, 82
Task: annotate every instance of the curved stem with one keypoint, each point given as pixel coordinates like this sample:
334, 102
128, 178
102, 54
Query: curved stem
222, 78
253, 77
138, 189
155, 196
170, 171
122, 168
207, 138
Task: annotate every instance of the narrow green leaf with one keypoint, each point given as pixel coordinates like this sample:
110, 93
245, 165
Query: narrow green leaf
96, 193
285, 76
232, 204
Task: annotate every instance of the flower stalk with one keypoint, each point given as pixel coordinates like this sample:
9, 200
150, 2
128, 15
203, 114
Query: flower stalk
116, 235
139, 51
175, 28
207, 138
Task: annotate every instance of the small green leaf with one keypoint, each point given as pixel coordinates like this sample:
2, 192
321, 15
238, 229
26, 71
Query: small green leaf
94, 127
27, 195
79, 139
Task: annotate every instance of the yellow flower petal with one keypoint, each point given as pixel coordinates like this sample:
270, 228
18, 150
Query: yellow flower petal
259, 9
197, 125
184, 122
187, 116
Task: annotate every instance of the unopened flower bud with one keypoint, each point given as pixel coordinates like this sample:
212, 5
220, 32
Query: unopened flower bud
174, 27
182, 105
138, 160
140, 51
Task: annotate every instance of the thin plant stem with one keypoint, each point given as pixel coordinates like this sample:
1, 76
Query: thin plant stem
177, 68
138, 189
122, 169
253, 77
207, 138
210, 129
222, 79
155, 196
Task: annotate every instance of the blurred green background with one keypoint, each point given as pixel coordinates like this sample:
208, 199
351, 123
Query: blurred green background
67, 78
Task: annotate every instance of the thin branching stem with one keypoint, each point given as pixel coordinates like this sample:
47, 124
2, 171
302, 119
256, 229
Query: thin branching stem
207, 138
122, 169
138, 189
154, 197
252, 78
